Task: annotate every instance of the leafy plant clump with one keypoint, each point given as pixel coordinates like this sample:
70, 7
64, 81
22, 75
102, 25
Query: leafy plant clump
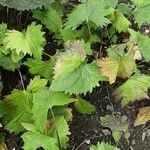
41, 110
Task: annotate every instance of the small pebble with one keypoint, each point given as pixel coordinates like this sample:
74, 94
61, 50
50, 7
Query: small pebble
147, 31
106, 132
148, 132
127, 135
133, 142
143, 136
88, 142
109, 108
124, 118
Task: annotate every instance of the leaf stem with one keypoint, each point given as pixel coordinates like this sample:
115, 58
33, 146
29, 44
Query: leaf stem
47, 54
89, 30
58, 138
21, 78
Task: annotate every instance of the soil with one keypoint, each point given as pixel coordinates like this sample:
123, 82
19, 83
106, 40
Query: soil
86, 130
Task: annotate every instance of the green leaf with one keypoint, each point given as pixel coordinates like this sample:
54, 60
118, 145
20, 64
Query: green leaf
19, 105
138, 2
30, 42
81, 80
127, 66
45, 100
121, 23
121, 129
3, 109
134, 88
103, 146
112, 4
3, 28
63, 130
25, 5
72, 71
7, 63
2, 142
84, 106
88, 11
29, 127
116, 51
15, 57
124, 8
105, 118
36, 84
1, 88
68, 34
63, 111
142, 43
79, 44
32, 141
141, 14
51, 18
42, 68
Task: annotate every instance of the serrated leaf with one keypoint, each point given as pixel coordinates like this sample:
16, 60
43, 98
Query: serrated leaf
7, 63
121, 23
36, 84
42, 68
116, 51
103, 146
51, 18
79, 44
68, 34
63, 130
113, 68
121, 129
88, 11
124, 8
3, 109
137, 2
72, 71
112, 4
17, 118
141, 41
84, 107
45, 100
134, 88
32, 141
15, 57
109, 68
3, 28
143, 116
29, 127
105, 119
19, 104
141, 12
25, 5
127, 66
63, 111
31, 42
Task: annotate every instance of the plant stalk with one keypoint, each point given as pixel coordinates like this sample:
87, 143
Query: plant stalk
89, 30
58, 138
21, 78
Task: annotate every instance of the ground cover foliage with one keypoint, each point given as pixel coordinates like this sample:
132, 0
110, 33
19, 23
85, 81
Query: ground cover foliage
41, 110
